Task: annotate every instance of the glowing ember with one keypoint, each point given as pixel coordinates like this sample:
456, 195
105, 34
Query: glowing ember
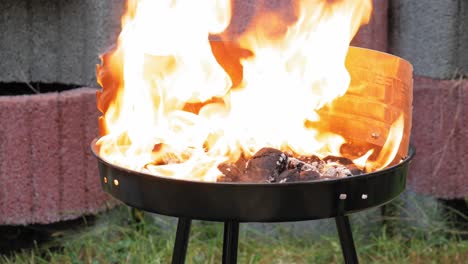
176, 104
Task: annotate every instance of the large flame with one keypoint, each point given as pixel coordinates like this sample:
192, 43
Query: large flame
173, 108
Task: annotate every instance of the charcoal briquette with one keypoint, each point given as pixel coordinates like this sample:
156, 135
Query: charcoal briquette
309, 159
289, 176
273, 165
300, 165
230, 172
354, 170
266, 165
309, 175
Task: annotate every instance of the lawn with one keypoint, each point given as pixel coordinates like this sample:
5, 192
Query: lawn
416, 235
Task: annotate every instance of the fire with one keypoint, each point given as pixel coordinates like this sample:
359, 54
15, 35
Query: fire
176, 104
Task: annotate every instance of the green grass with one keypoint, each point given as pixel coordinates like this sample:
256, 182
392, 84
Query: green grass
116, 238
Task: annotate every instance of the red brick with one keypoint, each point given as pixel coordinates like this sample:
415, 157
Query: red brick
374, 34
440, 135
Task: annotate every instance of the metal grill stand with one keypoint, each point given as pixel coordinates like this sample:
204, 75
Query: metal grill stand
231, 235
244, 202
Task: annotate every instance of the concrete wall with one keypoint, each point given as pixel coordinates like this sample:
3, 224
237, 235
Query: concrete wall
432, 34
375, 34
440, 133
59, 41
55, 41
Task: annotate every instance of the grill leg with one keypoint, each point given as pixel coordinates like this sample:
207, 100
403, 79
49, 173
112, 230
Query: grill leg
346, 239
231, 235
181, 240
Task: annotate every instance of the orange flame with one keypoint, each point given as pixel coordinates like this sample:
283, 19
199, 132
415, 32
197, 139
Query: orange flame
175, 104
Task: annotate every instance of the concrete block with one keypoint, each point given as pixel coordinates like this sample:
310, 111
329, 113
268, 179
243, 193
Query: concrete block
47, 173
14, 41
72, 154
44, 42
440, 135
16, 181
72, 22
102, 30
44, 156
97, 200
374, 35
56, 41
432, 35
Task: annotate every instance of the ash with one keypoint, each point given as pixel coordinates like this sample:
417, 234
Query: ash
274, 166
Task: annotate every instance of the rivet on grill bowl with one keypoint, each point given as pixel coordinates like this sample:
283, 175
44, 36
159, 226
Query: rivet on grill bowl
343, 196
375, 135
364, 196
116, 182
105, 179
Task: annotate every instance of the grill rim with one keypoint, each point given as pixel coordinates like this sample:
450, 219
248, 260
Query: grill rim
253, 202
411, 153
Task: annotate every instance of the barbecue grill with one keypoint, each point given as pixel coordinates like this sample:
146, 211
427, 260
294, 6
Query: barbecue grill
385, 83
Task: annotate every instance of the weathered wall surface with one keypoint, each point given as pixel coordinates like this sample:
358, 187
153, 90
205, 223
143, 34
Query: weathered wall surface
375, 34
58, 41
47, 172
440, 134
55, 41
432, 34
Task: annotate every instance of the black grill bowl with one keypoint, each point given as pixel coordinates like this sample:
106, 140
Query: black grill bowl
253, 202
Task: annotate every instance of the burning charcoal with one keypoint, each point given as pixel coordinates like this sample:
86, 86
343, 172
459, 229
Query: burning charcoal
354, 169
309, 159
340, 160
294, 175
345, 162
224, 178
230, 171
309, 175
265, 165
241, 163
300, 165
289, 176
336, 171
273, 165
